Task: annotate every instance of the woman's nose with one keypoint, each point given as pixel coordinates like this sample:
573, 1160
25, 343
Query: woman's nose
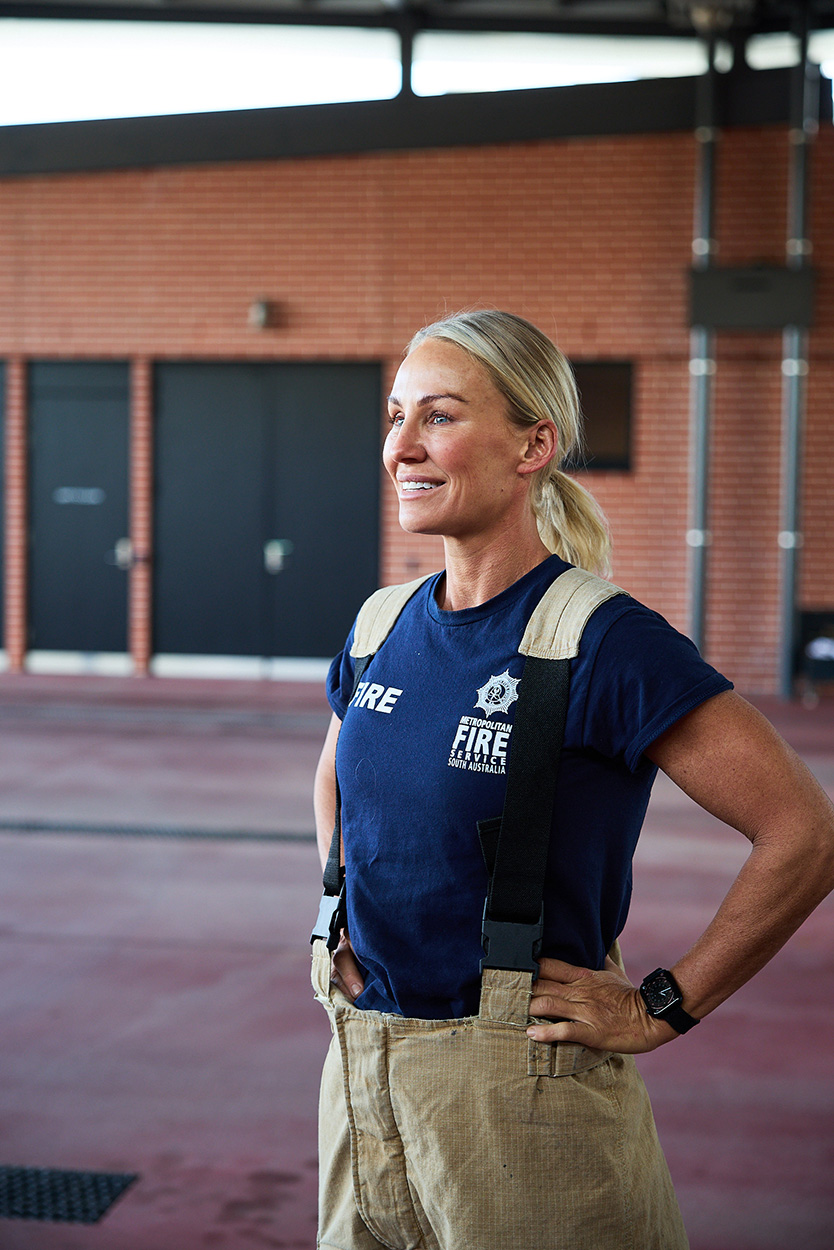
405, 444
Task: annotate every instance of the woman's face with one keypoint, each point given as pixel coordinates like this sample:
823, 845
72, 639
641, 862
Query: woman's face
458, 463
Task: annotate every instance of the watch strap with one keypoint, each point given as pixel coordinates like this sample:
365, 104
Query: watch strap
680, 1020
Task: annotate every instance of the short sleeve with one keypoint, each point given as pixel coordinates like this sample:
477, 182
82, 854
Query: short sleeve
643, 676
340, 676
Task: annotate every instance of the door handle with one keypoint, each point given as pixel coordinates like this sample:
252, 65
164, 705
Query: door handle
276, 552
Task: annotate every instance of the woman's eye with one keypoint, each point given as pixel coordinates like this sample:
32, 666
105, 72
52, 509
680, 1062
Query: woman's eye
435, 418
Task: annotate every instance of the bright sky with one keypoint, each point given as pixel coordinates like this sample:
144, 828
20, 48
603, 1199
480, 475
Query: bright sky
67, 70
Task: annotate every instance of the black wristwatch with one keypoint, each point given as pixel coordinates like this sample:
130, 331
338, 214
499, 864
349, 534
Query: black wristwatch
663, 998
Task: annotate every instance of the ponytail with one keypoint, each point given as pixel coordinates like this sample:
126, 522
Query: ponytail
538, 383
571, 522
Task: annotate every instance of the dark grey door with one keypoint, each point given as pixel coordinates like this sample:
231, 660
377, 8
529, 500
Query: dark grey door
78, 423
267, 502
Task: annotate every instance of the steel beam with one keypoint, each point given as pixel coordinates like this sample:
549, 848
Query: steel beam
584, 18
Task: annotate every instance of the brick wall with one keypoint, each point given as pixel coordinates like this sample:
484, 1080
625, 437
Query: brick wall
588, 238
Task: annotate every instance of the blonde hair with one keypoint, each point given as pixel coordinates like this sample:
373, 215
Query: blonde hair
538, 383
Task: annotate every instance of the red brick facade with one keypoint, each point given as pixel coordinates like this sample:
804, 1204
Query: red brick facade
589, 238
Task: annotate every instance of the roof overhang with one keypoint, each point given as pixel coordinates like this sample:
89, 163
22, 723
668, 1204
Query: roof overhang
407, 122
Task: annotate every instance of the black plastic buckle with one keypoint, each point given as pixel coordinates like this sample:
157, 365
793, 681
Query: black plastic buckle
330, 920
514, 947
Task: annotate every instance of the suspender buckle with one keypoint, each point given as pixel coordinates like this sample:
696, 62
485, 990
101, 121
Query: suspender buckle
514, 947
331, 919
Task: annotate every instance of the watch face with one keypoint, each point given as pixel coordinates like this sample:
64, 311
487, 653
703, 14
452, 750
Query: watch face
660, 991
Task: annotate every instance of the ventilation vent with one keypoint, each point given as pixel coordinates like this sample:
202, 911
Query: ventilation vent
68, 1197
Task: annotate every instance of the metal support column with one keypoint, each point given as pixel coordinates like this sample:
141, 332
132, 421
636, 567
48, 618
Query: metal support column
407, 28
701, 356
804, 121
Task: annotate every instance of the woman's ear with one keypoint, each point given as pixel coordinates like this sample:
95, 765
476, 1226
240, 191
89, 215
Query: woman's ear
541, 446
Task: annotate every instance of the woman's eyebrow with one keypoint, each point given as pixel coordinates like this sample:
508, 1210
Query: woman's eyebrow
431, 399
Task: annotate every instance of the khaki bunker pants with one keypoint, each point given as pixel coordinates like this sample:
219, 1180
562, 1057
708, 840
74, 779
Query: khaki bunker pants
467, 1135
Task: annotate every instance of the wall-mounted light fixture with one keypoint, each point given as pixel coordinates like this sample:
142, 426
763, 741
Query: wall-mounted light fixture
264, 314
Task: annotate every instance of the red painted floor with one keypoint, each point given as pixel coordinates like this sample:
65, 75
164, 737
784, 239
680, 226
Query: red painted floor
156, 1016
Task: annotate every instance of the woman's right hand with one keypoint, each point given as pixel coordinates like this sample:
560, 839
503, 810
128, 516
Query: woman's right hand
344, 970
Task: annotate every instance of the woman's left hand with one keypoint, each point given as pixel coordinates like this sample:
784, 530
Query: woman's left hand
345, 973
602, 1010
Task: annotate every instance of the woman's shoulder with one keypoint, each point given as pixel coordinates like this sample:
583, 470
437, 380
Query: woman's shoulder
636, 675
625, 624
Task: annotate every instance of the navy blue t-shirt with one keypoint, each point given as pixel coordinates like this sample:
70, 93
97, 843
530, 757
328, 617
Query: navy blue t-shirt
421, 758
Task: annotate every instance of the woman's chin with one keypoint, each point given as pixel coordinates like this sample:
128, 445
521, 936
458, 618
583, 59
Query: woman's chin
413, 523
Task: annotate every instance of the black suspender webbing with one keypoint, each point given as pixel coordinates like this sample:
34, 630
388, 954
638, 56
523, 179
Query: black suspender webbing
331, 918
515, 847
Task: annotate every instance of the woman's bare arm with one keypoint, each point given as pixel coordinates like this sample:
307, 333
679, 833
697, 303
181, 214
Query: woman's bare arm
345, 971
324, 789
731, 761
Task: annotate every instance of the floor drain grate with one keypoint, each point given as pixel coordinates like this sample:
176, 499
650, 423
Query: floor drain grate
69, 1197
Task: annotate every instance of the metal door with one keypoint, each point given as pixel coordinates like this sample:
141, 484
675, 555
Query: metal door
79, 549
266, 529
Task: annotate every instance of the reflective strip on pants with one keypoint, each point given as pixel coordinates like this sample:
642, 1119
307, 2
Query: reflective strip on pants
467, 1135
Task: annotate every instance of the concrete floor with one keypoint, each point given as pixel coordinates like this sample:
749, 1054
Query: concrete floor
156, 1013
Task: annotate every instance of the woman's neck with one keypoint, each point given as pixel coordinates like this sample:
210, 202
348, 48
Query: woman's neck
475, 574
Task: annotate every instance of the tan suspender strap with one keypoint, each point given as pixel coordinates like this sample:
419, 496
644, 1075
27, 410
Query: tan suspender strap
553, 631
555, 628
378, 615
